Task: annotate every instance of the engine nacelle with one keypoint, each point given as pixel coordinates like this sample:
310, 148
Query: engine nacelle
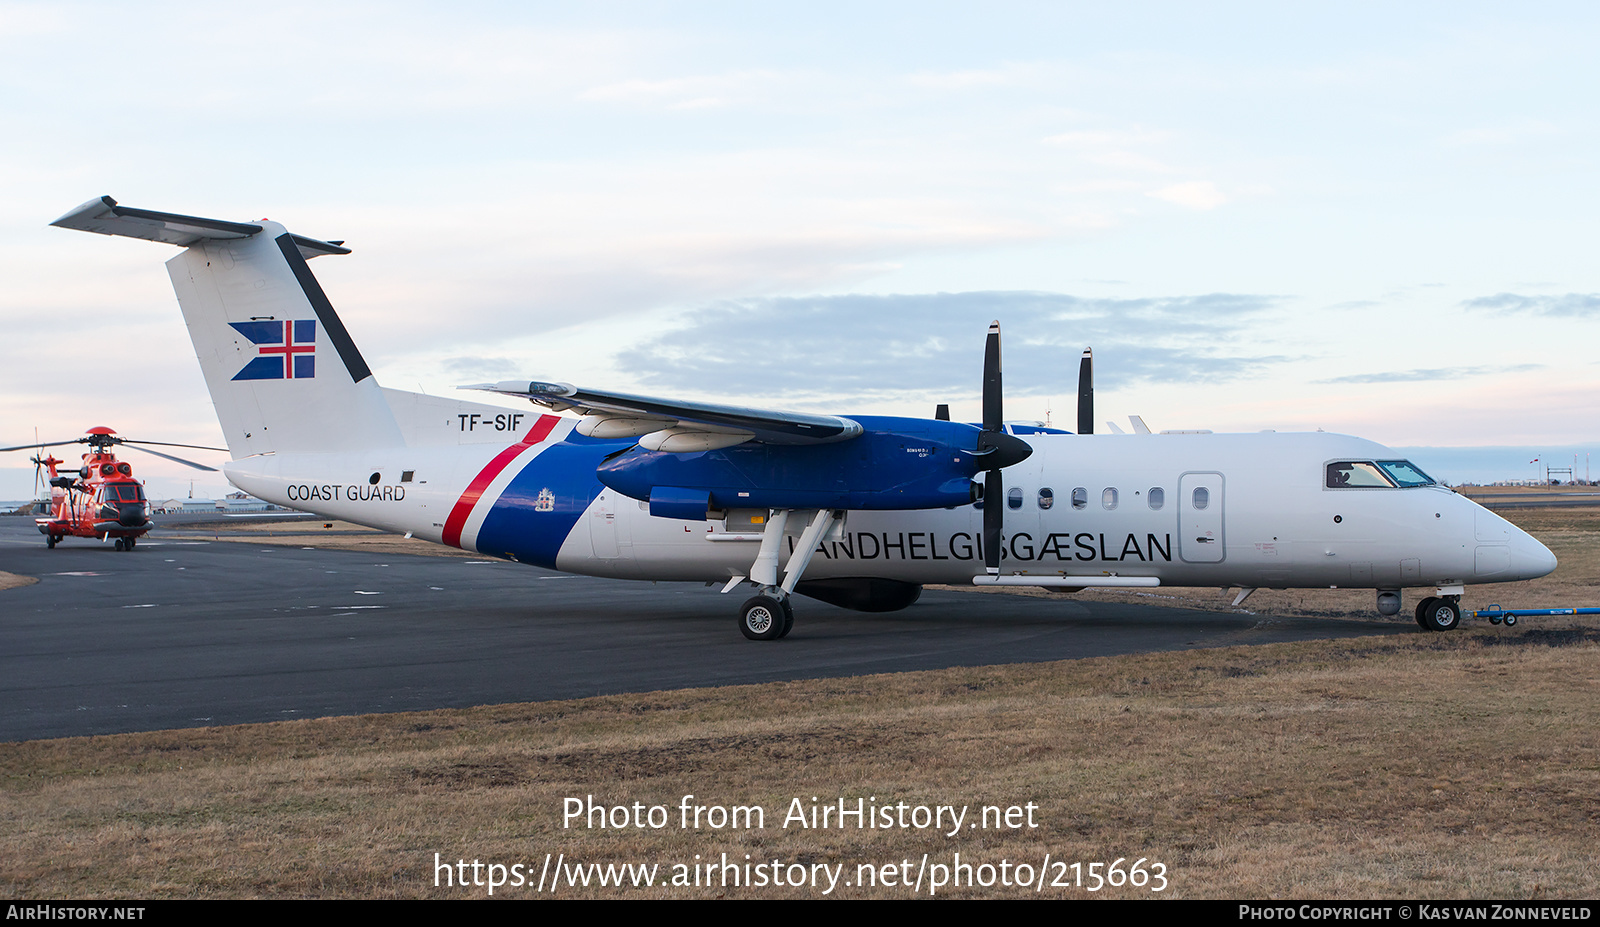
895, 464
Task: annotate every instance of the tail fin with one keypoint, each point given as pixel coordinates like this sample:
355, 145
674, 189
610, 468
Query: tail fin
283, 373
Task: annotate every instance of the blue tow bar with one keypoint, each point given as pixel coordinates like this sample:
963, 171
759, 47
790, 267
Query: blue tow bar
1496, 614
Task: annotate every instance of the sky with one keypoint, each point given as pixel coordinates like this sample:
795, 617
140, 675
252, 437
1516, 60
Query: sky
1374, 219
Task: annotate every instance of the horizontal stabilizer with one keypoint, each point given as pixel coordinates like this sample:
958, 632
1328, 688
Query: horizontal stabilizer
103, 216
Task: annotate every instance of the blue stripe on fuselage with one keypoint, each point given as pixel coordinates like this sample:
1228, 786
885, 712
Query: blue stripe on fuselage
516, 529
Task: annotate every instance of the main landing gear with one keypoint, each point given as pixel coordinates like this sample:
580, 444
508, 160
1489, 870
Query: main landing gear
769, 616
766, 618
1439, 613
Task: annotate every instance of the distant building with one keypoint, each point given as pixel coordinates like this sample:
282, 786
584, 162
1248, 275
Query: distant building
234, 502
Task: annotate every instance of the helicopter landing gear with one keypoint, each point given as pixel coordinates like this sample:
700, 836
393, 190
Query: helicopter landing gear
125, 543
51, 540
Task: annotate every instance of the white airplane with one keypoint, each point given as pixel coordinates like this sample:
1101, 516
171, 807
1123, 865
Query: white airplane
859, 511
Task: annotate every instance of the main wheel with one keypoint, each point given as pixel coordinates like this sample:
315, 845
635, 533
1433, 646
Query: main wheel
1443, 615
762, 618
788, 619
52, 540
1422, 611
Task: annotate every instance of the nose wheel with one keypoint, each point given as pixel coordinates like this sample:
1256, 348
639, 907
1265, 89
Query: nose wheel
1439, 613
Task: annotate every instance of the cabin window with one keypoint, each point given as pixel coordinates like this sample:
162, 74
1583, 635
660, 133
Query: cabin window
1356, 474
1406, 473
406, 475
1014, 497
1157, 498
1047, 497
1202, 497
1080, 498
1108, 498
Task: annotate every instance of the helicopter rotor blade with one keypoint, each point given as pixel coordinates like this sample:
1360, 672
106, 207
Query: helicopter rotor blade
186, 463
198, 447
29, 447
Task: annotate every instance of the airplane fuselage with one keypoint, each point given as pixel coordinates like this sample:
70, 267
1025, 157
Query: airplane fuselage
1248, 510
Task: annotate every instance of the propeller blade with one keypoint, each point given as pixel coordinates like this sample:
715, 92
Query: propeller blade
996, 447
993, 417
186, 463
1086, 393
994, 514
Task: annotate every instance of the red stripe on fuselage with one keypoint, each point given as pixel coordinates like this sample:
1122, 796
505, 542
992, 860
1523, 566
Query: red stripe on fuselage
463, 507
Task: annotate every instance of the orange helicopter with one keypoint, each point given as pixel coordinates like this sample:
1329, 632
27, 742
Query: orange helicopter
101, 499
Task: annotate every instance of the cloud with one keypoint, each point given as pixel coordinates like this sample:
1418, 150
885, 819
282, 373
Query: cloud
1426, 374
905, 346
1198, 194
482, 366
1567, 305
697, 92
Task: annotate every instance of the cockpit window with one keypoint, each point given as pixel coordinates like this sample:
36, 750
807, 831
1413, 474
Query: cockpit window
123, 492
1356, 474
1405, 473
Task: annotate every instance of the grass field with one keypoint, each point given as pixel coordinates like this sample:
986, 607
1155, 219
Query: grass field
1417, 766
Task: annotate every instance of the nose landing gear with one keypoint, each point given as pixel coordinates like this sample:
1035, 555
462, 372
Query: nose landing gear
1439, 613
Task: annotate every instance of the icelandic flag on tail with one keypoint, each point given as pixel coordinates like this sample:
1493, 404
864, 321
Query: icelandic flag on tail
284, 350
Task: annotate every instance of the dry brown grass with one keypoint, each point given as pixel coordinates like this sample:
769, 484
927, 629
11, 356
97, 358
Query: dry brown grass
13, 580
1417, 766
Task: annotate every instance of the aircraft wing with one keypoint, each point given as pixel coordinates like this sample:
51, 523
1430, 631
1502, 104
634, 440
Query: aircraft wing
675, 425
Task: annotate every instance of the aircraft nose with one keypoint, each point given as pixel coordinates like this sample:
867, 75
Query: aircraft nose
1529, 558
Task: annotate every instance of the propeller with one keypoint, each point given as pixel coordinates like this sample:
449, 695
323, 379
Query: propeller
997, 450
1086, 393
